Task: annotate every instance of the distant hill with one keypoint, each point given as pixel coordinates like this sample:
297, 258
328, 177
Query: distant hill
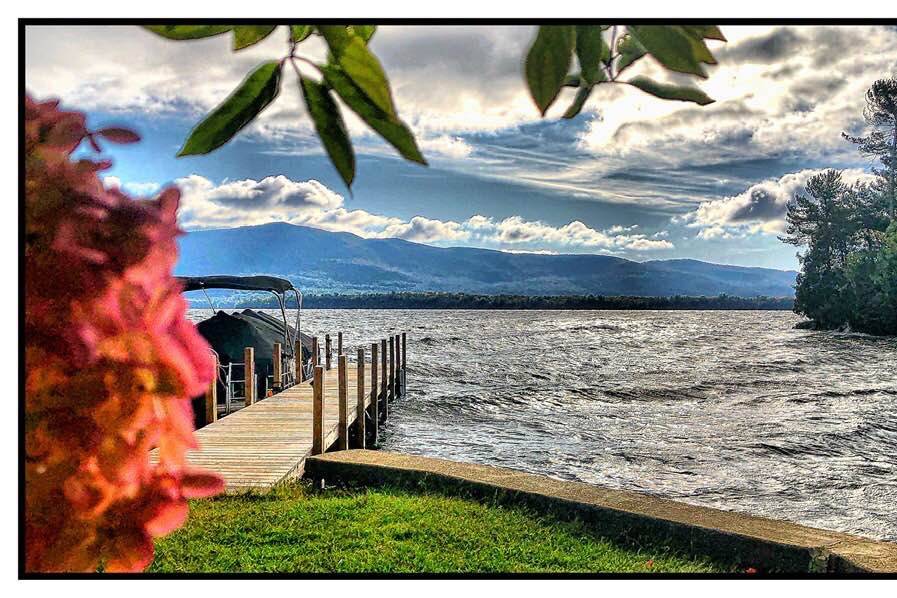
320, 261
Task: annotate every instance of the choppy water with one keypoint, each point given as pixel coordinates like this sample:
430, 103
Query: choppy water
734, 410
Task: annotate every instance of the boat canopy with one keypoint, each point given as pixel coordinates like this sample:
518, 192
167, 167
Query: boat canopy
237, 283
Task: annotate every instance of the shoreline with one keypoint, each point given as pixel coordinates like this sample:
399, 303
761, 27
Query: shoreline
775, 545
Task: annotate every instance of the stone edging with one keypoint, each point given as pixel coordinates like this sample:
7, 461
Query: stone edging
767, 544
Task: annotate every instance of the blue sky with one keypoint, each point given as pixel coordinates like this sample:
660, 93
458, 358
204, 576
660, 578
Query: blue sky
631, 176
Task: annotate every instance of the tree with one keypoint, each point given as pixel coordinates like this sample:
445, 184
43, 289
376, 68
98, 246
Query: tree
822, 220
353, 76
880, 115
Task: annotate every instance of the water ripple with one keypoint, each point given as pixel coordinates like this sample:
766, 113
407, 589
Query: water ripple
732, 410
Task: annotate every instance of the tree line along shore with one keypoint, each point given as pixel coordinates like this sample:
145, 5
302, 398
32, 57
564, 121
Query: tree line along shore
441, 300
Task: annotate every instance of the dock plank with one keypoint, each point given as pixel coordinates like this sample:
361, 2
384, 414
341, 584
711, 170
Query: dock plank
267, 442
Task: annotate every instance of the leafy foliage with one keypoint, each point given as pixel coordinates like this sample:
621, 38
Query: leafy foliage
671, 92
248, 35
111, 361
548, 61
848, 272
821, 219
604, 52
356, 76
880, 114
246, 102
330, 127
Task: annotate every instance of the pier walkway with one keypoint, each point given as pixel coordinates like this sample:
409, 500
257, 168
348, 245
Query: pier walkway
268, 441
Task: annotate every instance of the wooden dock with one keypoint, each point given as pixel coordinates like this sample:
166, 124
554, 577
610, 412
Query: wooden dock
268, 441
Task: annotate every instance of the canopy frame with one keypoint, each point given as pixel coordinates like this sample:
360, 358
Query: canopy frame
278, 287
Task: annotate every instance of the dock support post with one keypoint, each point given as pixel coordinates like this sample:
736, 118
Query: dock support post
249, 375
343, 396
212, 397
360, 396
299, 374
404, 367
384, 405
277, 359
328, 348
398, 365
375, 397
392, 368
314, 353
339, 343
317, 417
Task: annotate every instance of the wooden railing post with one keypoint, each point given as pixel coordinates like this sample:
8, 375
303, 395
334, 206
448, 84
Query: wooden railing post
392, 368
404, 367
249, 374
343, 396
212, 397
299, 373
277, 358
384, 406
339, 343
375, 396
328, 347
360, 396
314, 353
317, 416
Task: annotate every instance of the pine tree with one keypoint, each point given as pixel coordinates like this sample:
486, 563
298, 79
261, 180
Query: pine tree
880, 114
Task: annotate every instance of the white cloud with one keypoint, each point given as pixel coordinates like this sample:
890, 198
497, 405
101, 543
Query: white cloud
514, 230
758, 209
137, 188
445, 145
777, 89
205, 205
425, 230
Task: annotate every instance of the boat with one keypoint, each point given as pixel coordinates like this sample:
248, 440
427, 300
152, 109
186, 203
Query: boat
229, 333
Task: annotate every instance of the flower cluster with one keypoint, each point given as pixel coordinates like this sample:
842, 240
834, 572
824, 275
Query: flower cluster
110, 360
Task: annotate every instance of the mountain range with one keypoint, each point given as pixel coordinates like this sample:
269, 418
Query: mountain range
319, 261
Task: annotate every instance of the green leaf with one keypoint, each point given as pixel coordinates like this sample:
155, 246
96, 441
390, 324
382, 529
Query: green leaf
705, 32
365, 71
330, 127
671, 92
592, 52
672, 47
578, 102
181, 32
337, 38
573, 80
547, 63
247, 35
239, 109
390, 127
630, 51
299, 33
365, 32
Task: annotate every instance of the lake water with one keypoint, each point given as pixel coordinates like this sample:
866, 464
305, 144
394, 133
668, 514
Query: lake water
734, 410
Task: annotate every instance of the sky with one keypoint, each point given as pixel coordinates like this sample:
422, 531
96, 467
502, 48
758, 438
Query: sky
632, 175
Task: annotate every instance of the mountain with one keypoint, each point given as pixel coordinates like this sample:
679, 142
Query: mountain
321, 261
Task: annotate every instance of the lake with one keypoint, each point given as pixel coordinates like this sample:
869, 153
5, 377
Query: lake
727, 409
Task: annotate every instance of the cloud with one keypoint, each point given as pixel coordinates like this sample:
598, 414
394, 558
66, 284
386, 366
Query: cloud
760, 208
445, 145
205, 204
515, 230
137, 188
424, 230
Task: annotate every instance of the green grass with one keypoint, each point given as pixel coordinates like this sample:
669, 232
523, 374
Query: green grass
297, 530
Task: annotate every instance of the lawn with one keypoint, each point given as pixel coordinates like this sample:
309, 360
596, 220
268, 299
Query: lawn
297, 530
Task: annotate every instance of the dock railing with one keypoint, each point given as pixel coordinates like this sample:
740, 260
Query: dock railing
379, 379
